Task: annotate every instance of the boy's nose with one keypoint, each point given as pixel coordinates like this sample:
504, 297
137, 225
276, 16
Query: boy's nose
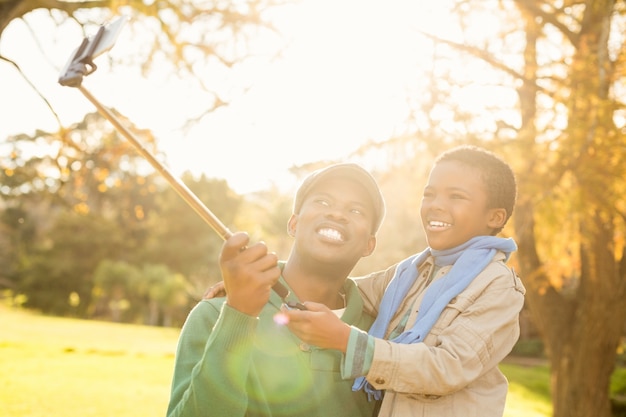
433, 203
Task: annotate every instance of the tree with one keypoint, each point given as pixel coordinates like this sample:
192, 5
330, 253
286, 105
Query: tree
67, 211
190, 40
150, 294
180, 239
65, 206
113, 283
63, 263
565, 138
580, 309
166, 295
78, 174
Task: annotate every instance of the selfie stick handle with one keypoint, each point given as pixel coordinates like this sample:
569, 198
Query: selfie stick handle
178, 185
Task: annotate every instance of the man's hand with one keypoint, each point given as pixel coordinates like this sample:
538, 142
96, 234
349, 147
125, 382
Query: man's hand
249, 272
317, 325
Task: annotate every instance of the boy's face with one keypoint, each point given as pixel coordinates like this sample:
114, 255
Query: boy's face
454, 206
335, 223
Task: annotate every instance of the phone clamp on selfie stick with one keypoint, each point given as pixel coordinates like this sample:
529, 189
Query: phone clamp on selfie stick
80, 65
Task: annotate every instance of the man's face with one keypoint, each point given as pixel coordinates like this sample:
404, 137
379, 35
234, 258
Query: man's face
335, 222
454, 206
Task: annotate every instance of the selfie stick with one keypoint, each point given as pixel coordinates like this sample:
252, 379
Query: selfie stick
81, 64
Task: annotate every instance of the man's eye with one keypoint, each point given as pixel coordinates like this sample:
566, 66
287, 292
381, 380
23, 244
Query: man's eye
322, 202
457, 196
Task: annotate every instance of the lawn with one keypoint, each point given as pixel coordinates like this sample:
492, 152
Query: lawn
64, 367
529, 394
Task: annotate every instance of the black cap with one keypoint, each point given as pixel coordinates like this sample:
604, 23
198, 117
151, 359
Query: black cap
347, 171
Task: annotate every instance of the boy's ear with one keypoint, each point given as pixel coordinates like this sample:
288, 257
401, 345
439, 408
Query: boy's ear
497, 218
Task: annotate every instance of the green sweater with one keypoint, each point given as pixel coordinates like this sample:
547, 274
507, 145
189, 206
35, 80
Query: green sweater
230, 364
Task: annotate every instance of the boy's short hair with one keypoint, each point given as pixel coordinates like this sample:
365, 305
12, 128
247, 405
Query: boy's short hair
495, 172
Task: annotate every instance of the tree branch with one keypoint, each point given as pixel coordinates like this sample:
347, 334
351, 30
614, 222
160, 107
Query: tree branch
17, 67
534, 10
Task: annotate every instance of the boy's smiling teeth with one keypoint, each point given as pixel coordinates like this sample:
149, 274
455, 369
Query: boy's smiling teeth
331, 234
434, 223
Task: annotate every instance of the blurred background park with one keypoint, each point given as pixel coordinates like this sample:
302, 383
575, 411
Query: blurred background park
100, 260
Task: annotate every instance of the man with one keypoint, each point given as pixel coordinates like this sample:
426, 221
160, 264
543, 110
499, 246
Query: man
235, 359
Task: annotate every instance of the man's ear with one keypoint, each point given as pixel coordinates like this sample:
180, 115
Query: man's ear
371, 245
497, 218
291, 225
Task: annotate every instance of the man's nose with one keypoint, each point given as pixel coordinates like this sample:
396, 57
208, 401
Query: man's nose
338, 213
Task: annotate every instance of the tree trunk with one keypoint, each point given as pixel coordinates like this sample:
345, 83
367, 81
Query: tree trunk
581, 331
581, 324
154, 309
588, 355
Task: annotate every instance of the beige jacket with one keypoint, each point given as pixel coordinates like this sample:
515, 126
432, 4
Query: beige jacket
454, 372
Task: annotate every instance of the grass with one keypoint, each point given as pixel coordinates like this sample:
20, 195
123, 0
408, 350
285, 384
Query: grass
529, 394
71, 368
65, 367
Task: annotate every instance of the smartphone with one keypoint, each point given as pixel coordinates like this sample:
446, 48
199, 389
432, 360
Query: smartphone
294, 305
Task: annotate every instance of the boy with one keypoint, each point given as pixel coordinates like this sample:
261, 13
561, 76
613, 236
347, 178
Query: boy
233, 359
446, 316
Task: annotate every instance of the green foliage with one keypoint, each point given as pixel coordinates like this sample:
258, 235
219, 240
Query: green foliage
113, 289
151, 294
618, 382
97, 206
618, 392
65, 260
180, 239
15, 234
264, 216
532, 348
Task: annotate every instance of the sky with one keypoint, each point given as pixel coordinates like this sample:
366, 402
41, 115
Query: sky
343, 80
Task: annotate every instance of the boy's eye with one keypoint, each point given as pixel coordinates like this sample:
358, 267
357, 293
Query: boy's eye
457, 196
356, 211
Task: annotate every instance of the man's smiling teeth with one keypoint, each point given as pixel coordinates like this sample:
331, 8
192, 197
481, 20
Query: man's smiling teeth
434, 223
331, 234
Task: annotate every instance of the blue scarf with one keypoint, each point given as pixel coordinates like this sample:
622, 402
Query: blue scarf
467, 261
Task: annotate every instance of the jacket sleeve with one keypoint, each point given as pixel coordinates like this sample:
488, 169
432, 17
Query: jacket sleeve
474, 333
213, 359
372, 287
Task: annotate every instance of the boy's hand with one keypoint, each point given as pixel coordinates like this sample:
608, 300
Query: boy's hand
317, 325
249, 272
214, 291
